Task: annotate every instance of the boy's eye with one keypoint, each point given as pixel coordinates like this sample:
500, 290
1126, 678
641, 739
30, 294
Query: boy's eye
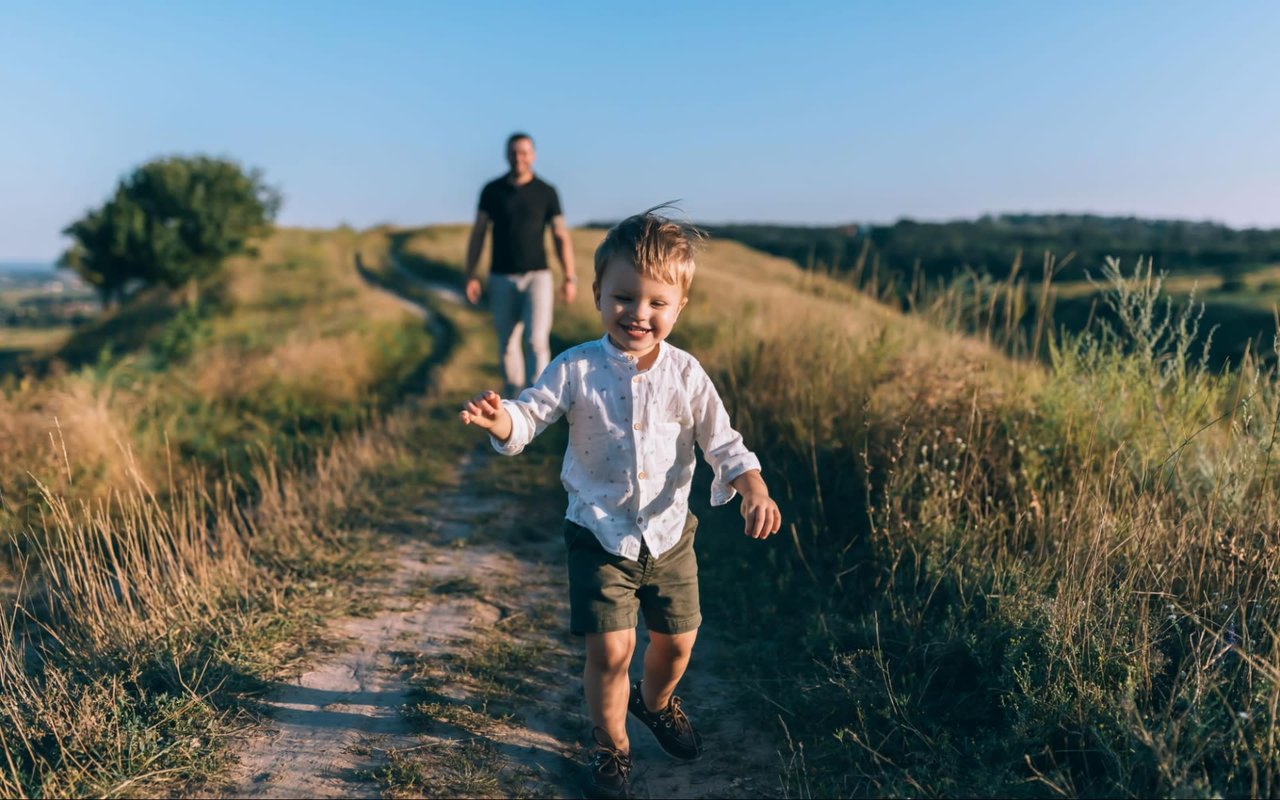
658, 304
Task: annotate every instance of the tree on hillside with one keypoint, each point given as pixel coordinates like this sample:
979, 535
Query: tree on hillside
172, 221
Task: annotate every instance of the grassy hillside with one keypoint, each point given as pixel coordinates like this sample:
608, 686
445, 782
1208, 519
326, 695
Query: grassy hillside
997, 578
183, 493
996, 261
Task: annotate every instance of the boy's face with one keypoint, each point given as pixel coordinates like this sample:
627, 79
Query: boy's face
637, 312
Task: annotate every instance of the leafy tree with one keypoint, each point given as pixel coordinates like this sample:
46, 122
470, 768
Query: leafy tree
173, 221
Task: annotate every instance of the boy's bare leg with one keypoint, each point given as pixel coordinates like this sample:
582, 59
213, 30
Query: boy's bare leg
605, 682
665, 661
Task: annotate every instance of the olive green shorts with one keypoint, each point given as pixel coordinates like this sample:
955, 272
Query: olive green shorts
606, 590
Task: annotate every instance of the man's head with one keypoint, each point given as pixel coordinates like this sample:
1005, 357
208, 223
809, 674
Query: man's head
520, 155
644, 268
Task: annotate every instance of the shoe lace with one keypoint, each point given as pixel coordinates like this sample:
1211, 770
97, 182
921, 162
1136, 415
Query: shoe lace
674, 716
609, 760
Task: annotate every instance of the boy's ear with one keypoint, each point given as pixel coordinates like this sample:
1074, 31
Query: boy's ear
684, 301
595, 292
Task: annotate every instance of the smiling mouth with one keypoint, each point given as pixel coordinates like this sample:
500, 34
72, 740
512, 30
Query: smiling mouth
636, 330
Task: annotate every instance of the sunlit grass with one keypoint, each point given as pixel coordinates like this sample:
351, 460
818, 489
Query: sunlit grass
1051, 576
183, 513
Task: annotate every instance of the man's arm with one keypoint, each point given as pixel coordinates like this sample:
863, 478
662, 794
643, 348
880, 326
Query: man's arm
564, 252
474, 246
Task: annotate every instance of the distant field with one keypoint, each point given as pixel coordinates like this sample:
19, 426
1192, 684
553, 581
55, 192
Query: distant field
1255, 284
1240, 311
29, 339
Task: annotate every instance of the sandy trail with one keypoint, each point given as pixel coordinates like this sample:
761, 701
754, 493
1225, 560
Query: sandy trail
482, 574
328, 729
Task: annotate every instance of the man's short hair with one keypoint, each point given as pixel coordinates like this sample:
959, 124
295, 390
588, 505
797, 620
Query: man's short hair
661, 248
517, 136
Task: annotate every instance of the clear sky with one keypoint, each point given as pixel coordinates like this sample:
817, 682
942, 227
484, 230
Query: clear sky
817, 112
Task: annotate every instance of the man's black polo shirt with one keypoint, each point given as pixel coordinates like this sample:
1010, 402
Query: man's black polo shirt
520, 215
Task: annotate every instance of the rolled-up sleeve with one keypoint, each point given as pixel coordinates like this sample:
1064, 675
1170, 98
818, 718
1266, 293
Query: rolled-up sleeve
722, 446
537, 407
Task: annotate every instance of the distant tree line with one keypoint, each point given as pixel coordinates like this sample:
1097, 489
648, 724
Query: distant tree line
46, 311
991, 243
172, 222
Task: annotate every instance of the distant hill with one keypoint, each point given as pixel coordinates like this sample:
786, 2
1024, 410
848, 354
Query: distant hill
26, 267
991, 243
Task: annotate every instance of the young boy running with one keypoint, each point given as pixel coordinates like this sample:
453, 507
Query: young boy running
636, 406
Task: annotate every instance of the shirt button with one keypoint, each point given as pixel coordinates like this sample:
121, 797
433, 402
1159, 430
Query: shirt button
631, 358
636, 425
638, 378
643, 476
639, 520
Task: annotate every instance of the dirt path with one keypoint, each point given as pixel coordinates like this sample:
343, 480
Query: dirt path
466, 684
331, 731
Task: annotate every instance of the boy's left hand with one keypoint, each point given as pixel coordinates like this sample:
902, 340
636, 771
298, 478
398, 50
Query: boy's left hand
762, 516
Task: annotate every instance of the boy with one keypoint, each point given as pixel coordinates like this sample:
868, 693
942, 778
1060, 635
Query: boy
636, 405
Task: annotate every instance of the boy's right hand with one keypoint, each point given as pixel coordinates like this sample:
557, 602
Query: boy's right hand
485, 411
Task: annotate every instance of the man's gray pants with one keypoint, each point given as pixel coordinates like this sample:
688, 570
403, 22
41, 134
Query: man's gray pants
522, 307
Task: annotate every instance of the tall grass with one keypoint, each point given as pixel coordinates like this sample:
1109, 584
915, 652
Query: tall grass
1064, 589
182, 513
1049, 575
289, 348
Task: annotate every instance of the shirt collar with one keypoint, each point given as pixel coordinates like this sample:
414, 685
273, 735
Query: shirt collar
617, 356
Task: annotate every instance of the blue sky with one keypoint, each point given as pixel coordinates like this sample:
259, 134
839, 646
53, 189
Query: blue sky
800, 112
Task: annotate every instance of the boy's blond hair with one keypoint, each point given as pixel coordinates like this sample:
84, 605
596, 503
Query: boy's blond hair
661, 248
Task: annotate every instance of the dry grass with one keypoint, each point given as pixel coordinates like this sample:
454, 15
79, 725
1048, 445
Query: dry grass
183, 517
1050, 578
1007, 578
295, 344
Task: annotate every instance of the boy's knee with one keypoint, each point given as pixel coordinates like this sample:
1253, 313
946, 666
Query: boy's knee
677, 645
611, 653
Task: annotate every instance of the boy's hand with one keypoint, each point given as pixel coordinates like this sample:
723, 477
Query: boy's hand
761, 515
485, 411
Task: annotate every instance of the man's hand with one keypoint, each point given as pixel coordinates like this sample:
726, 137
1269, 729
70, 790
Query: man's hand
485, 411
761, 515
473, 290
568, 291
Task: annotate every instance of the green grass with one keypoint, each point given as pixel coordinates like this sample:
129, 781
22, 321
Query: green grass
225, 465
1059, 592
997, 579
456, 769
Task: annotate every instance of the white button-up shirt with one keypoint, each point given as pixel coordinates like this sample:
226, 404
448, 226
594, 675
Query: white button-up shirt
630, 459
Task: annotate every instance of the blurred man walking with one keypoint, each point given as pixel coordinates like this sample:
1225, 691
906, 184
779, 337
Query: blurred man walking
520, 206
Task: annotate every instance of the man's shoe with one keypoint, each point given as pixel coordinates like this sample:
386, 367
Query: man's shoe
610, 769
670, 727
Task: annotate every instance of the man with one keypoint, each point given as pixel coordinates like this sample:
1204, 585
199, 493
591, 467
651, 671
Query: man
520, 205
